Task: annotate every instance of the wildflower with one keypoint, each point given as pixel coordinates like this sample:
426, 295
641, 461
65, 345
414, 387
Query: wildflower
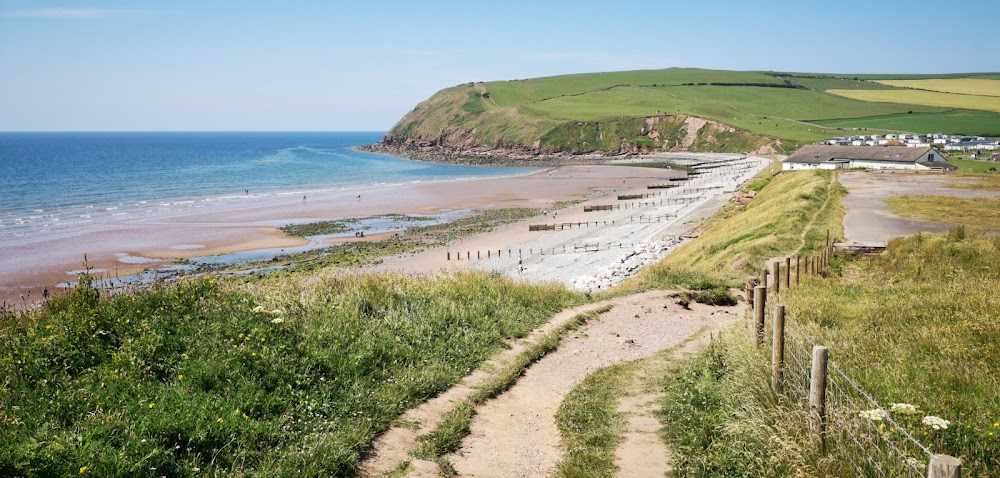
151, 405
936, 423
218, 420
277, 312
875, 414
83, 469
903, 409
180, 377
277, 320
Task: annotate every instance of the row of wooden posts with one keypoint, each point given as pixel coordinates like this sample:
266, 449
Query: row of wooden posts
531, 252
941, 466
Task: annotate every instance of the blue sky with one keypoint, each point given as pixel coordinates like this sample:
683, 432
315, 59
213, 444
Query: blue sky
320, 65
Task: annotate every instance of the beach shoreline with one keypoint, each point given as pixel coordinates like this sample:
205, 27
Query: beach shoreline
129, 245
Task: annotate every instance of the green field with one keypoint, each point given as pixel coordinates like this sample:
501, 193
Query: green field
979, 123
606, 111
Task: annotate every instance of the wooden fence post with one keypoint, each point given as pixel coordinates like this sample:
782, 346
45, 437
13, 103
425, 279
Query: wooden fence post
777, 277
944, 466
817, 393
778, 349
788, 273
477, 255
759, 303
449, 255
798, 269
763, 276
468, 255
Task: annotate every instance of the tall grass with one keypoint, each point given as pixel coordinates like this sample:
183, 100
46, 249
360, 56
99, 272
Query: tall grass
921, 325
204, 378
721, 418
790, 215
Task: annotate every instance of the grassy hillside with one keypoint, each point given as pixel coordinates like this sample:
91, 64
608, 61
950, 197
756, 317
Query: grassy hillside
612, 112
917, 324
205, 378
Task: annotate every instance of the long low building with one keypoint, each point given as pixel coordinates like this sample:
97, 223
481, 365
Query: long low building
866, 157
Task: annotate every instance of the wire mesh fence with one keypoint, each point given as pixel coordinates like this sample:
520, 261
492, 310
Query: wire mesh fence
861, 435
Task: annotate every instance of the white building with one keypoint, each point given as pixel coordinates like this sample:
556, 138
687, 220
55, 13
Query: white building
848, 157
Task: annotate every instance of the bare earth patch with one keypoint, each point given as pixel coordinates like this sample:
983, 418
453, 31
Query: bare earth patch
515, 434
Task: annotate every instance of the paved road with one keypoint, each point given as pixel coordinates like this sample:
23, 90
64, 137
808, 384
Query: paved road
868, 218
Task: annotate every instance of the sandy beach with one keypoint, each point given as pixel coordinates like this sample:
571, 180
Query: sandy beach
128, 246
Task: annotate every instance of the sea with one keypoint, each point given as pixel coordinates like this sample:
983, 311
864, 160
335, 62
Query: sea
52, 181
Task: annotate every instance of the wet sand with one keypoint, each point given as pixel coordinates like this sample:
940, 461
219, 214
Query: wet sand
125, 246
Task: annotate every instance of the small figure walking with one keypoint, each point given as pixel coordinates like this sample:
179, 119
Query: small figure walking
45, 293
303, 199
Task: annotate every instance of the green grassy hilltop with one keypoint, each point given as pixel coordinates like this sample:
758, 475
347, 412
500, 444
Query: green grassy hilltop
680, 109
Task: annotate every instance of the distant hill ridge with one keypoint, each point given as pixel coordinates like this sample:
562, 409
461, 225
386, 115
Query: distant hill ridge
676, 109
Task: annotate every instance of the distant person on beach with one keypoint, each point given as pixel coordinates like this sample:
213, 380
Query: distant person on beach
45, 293
303, 199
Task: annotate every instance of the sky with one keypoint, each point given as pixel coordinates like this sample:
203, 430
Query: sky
211, 65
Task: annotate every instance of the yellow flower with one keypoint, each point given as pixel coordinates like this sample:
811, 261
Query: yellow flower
83, 469
151, 405
180, 377
218, 420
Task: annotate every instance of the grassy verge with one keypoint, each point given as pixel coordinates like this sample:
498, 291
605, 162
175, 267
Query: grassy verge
591, 425
975, 214
448, 435
974, 166
790, 215
920, 324
721, 418
203, 378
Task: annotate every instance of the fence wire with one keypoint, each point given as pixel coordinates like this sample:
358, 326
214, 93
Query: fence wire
873, 444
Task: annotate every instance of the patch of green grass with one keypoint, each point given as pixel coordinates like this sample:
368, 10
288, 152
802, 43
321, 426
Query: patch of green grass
202, 378
320, 228
972, 122
591, 425
974, 214
974, 166
721, 418
447, 437
920, 324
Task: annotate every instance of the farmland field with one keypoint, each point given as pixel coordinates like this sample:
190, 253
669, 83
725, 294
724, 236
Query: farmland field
982, 123
606, 111
962, 86
920, 97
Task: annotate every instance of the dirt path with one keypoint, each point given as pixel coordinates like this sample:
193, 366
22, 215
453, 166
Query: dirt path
393, 446
641, 452
812, 220
515, 435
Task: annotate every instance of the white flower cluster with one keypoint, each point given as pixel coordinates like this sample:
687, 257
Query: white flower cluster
875, 414
936, 423
277, 320
903, 409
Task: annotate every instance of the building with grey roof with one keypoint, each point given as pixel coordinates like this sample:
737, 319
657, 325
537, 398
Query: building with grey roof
849, 157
